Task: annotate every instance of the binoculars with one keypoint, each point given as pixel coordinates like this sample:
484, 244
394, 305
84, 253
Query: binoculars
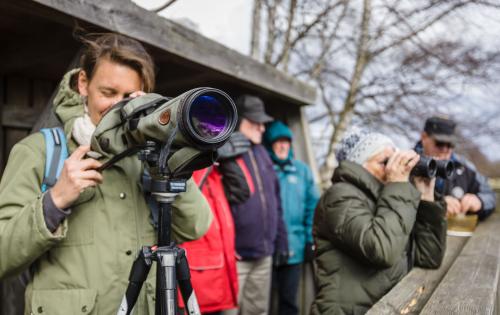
429, 167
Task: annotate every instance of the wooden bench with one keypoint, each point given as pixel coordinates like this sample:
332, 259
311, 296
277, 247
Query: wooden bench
466, 283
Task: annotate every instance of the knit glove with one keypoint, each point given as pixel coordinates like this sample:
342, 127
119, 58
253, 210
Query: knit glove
235, 146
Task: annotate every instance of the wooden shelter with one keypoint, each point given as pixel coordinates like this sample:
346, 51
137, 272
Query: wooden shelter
39, 46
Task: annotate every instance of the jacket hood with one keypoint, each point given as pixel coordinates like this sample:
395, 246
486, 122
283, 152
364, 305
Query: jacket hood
275, 131
358, 176
68, 103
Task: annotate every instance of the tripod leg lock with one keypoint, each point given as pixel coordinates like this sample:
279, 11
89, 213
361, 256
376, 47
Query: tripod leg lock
184, 279
138, 274
183, 272
141, 266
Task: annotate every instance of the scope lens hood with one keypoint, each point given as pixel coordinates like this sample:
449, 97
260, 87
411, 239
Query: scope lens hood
208, 117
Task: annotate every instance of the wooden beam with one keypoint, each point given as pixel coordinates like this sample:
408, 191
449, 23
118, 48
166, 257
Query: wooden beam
411, 294
184, 83
18, 93
20, 117
2, 130
471, 284
125, 17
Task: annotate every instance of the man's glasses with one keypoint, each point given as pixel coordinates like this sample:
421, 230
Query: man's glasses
443, 144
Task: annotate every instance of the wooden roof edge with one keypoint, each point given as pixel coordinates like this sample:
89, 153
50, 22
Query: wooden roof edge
495, 183
127, 18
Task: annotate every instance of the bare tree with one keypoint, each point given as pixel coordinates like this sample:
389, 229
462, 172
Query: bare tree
387, 64
256, 20
163, 6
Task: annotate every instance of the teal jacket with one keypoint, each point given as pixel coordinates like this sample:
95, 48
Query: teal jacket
299, 194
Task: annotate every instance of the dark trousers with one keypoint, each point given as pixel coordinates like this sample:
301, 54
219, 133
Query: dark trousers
286, 282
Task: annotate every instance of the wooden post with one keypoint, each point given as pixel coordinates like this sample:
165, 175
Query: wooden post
17, 94
2, 135
26, 103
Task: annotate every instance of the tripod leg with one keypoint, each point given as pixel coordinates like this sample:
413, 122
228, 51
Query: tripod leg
166, 283
138, 275
184, 279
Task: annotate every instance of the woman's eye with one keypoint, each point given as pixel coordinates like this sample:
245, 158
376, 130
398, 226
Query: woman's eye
107, 93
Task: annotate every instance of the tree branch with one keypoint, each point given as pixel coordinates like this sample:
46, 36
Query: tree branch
163, 6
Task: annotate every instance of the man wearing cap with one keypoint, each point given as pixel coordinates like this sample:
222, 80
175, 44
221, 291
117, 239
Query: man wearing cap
467, 191
252, 190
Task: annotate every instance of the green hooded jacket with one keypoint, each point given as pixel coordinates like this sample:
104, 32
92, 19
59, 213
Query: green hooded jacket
368, 235
83, 267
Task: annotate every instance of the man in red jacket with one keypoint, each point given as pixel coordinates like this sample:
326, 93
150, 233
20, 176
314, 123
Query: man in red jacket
212, 259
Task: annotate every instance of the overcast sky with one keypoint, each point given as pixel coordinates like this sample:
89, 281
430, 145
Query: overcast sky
214, 18
229, 22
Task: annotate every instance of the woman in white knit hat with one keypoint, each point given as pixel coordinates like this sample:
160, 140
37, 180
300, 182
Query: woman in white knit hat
372, 226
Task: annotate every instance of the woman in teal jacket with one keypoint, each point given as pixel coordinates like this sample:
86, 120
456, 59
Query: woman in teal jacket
298, 198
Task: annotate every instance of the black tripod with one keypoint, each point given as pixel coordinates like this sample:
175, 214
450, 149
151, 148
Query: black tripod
172, 264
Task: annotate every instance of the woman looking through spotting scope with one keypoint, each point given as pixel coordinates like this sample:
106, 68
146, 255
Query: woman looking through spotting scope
79, 237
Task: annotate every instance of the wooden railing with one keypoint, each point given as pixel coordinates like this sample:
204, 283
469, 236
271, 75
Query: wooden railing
411, 294
466, 283
495, 184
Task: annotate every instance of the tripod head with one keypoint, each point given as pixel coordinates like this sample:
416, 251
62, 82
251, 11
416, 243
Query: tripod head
162, 184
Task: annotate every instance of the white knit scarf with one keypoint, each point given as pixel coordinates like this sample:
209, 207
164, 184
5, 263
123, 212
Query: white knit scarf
82, 132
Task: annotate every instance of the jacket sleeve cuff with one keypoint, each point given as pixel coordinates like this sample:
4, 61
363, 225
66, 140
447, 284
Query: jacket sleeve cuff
432, 212
52, 214
488, 201
42, 226
484, 213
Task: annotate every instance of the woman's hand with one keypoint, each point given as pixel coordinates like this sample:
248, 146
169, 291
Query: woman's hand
77, 174
453, 206
470, 202
426, 186
400, 164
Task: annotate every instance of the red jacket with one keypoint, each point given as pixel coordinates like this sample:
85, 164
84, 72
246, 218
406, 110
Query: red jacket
212, 259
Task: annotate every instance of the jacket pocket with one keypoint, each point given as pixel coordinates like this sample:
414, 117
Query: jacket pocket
205, 260
63, 302
208, 267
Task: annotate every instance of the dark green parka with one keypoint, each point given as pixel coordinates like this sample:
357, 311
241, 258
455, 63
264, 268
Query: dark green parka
368, 235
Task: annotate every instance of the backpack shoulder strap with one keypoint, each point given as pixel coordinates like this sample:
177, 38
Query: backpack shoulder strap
56, 151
